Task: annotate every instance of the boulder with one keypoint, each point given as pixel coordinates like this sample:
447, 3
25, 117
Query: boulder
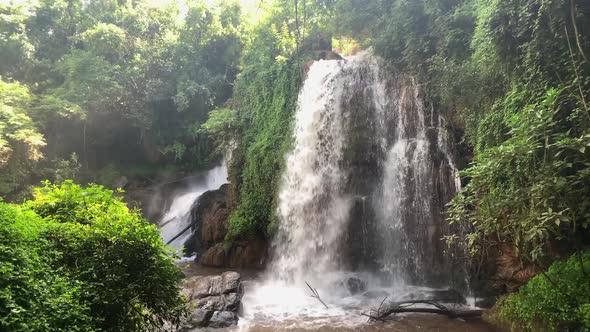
232, 302
212, 303
225, 302
215, 300
355, 285
207, 286
210, 214
214, 215
230, 282
223, 319
198, 318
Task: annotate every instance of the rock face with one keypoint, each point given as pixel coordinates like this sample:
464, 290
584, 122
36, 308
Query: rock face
512, 272
212, 212
214, 256
214, 301
243, 254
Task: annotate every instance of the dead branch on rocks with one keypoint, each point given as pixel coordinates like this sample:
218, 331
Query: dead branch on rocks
408, 307
315, 294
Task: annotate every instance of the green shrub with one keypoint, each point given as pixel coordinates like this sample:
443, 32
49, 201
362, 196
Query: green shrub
557, 301
34, 295
116, 270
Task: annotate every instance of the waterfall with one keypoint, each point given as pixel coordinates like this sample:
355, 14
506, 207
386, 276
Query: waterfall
361, 201
178, 215
313, 207
367, 181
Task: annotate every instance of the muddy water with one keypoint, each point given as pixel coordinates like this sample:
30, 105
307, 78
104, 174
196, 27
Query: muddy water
406, 323
268, 309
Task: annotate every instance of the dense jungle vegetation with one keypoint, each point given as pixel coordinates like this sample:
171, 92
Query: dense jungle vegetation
92, 90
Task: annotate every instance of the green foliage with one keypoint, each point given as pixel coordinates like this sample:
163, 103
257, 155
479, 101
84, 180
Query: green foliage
34, 295
177, 150
20, 142
105, 40
527, 188
112, 263
531, 165
257, 123
223, 126
89, 81
555, 301
66, 168
15, 48
267, 100
121, 81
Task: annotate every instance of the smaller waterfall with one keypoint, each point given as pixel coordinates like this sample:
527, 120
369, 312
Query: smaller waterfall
178, 216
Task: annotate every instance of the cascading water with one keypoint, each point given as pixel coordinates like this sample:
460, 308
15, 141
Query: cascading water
363, 194
178, 216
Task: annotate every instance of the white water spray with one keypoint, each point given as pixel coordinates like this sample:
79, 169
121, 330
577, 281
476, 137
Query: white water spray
178, 216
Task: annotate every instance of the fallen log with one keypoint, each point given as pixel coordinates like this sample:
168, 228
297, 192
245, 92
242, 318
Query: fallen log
408, 307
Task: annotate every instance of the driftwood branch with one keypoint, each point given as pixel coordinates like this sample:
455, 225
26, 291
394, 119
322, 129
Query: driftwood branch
408, 307
315, 294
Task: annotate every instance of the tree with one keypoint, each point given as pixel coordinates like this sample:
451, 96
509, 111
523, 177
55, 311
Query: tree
20, 141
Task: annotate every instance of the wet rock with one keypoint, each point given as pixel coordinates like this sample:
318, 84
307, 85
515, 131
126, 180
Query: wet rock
214, 214
214, 257
207, 286
223, 319
232, 302
210, 215
225, 302
212, 303
355, 285
511, 271
230, 282
198, 318
248, 254
215, 300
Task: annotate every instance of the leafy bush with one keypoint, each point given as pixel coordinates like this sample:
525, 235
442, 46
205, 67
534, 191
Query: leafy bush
526, 190
35, 295
118, 273
557, 301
